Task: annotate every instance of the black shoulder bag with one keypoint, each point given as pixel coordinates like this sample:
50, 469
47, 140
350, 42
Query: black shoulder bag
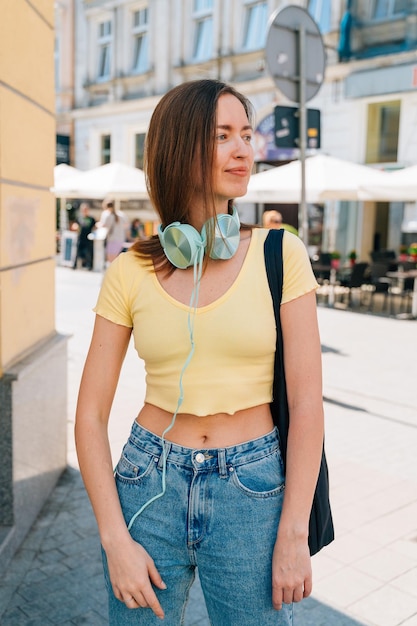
321, 530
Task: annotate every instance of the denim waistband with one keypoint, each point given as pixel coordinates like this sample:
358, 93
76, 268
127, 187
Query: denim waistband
204, 458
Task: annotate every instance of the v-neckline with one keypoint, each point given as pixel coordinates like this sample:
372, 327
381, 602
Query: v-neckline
186, 306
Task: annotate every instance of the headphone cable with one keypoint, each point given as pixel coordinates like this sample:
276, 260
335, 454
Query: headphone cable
193, 305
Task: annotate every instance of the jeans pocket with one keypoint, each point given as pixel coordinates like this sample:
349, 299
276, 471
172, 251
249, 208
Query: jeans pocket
261, 478
135, 464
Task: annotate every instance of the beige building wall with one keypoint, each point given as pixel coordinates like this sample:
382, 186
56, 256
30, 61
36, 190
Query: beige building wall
32, 354
27, 153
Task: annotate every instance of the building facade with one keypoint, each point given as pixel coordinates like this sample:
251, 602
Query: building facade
33, 356
127, 53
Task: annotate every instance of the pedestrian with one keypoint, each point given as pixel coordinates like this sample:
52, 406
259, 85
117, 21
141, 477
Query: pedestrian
272, 219
136, 229
200, 481
85, 226
115, 222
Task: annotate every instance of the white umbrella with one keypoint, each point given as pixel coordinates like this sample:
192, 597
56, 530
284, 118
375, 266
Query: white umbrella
400, 185
63, 175
116, 180
327, 178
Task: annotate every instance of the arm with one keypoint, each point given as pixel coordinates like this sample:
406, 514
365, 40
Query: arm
130, 567
292, 579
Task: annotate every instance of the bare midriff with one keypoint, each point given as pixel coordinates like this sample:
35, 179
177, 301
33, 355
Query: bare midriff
211, 431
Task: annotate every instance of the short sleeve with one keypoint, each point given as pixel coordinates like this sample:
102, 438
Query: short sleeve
112, 302
299, 277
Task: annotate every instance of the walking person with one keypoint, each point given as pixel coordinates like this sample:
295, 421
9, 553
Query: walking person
200, 481
85, 225
272, 219
136, 230
115, 222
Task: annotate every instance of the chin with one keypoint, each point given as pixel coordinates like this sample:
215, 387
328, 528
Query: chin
240, 193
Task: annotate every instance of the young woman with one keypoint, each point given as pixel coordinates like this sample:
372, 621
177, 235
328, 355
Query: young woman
200, 481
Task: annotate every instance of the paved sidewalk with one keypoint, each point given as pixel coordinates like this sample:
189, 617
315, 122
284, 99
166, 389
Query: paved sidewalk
367, 577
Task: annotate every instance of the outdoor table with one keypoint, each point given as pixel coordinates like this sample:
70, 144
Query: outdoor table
402, 275
335, 274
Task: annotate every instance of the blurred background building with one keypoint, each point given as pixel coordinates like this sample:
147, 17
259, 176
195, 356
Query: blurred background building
114, 59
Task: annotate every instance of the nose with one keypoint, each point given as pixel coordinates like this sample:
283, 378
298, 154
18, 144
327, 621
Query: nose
242, 148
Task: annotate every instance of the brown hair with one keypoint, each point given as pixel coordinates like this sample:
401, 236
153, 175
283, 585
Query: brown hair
179, 154
109, 204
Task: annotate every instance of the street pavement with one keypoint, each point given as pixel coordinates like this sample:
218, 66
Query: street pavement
367, 577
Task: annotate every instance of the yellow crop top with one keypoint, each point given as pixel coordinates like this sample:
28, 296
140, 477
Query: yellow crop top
232, 365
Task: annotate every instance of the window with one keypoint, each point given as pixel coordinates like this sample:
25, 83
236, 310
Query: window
256, 20
203, 25
388, 8
383, 130
105, 149
139, 150
104, 50
320, 11
140, 44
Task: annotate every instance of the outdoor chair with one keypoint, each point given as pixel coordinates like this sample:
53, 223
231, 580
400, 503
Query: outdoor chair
353, 284
321, 267
383, 256
380, 284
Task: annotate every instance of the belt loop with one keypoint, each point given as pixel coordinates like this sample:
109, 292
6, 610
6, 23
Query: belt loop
167, 446
221, 457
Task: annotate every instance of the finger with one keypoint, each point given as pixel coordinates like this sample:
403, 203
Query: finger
130, 602
153, 603
155, 576
308, 587
288, 596
277, 598
298, 594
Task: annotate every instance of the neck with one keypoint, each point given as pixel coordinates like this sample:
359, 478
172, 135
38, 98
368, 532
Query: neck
199, 218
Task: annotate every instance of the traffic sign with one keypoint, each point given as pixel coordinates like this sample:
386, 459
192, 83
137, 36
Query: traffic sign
296, 61
286, 26
287, 124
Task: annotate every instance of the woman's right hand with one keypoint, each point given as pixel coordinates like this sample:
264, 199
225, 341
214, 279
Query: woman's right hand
132, 572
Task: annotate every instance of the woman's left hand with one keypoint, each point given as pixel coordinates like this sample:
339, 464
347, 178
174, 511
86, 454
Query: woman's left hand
291, 571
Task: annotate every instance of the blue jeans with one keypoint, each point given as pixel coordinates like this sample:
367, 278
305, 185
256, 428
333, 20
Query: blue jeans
220, 513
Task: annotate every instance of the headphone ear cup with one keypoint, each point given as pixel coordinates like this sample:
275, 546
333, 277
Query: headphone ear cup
226, 236
182, 244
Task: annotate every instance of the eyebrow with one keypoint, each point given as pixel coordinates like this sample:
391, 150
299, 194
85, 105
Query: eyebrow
228, 127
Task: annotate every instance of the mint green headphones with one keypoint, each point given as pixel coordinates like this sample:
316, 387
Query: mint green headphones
184, 245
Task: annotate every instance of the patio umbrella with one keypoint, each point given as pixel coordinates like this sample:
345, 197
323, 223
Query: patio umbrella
400, 185
327, 178
117, 180
63, 174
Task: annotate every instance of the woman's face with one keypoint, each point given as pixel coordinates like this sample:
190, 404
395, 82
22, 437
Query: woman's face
233, 154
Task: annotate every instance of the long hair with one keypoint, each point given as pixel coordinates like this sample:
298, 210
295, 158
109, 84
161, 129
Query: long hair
109, 204
179, 154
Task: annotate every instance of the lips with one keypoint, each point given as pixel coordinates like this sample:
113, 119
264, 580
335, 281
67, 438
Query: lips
238, 171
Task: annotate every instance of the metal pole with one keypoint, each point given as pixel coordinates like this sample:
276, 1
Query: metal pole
63, 215
302, 212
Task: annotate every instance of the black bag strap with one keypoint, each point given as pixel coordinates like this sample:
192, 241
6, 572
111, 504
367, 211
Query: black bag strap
274, 270
321, 530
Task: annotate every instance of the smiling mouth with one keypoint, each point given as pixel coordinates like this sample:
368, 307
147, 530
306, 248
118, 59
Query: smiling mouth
238, 171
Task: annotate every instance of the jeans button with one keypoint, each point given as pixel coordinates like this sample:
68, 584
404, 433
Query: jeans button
199, 457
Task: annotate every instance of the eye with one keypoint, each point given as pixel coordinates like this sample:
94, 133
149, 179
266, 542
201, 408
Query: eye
221, 137
247, 138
